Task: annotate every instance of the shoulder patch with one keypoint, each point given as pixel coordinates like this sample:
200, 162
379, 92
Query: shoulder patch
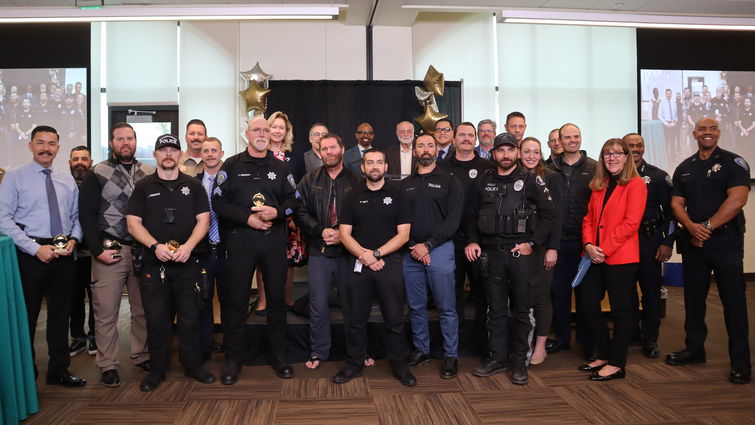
669, 181
742, 163
291, 181
222, 176
539, 180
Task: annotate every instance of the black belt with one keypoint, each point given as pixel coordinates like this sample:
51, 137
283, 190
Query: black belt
214, 245
41, 241
501, 247
119, 240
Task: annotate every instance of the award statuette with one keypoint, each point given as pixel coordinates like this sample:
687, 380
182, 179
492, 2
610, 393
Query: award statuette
258, 200
173, 246
60, 242
112, 244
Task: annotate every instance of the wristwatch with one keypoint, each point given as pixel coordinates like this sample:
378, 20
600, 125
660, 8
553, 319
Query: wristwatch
707, 225
531, 244
153, 247
376, 254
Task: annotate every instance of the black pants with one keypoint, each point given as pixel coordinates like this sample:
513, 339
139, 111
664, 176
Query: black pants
648, 321
541, 294
52, 281
213, 263
722, 254
465, 269
160, 298
248, 249
81, 290
387, 285
569, 255
619, 281
507, 284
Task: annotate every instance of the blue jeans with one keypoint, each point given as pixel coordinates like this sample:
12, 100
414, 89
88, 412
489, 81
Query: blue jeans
439, 275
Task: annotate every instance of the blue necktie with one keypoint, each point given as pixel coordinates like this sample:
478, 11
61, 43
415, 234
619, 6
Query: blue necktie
214, 231
56, 225
441, 154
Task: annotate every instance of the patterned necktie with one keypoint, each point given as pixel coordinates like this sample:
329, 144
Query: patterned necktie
56, 225
214, 231
441, 154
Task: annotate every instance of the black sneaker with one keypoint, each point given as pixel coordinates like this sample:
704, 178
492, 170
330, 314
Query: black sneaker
110, 378
519, 376
490, 368
77, 346
92, 347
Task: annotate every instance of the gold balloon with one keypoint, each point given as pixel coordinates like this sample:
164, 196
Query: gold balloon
255, 97
434, 81
428, 119
257, 74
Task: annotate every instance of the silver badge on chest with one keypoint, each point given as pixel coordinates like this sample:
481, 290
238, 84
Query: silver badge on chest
518, 185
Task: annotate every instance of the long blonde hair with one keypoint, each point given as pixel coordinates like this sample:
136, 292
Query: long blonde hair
600, 179
288, 140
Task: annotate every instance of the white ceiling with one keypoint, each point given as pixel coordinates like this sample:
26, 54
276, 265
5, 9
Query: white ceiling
404, 12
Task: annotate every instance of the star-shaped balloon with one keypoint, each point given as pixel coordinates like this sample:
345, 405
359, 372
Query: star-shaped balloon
257, 74
255, 97
428, 119
434, 81
426, 98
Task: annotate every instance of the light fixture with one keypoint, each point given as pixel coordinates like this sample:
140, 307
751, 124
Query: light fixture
609, 19
166, 13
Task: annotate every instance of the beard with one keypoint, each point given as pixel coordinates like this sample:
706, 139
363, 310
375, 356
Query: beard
123, 157
78, 172
426, 159
506, 164
375, 176
332, 161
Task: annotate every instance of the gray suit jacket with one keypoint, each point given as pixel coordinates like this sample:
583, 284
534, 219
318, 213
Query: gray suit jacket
352, 159
311, 160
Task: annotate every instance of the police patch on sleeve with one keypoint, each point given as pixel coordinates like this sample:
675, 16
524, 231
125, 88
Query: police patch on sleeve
539, 180
222, 175
742, 163
291, 181
518, 185
668, 180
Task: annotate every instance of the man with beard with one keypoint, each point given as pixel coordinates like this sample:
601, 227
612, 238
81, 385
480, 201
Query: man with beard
322, 192
80, 162
169, 213
104, 197
435, 199
554, 144
485, 135
516, 125
399, 156
353, 157
443, 135
509, 212
39, 211
465, 165
374, 227
191, 160
253, 196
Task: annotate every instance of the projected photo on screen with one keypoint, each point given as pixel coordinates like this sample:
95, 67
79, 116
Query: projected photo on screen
673, 100
48, 96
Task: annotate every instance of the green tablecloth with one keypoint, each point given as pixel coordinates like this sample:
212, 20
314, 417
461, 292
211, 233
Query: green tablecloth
18, 391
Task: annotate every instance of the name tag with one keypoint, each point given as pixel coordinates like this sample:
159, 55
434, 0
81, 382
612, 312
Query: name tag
436, 186
244, 175
153, 194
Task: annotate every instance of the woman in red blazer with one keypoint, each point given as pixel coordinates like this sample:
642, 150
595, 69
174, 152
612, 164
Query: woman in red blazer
609, 235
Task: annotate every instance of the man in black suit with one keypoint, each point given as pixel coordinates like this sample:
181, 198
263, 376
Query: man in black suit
399, 156
352, 158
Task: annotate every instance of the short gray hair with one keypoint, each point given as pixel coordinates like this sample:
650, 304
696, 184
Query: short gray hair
487, 121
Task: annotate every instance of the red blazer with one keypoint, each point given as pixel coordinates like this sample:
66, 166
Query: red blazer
619, 223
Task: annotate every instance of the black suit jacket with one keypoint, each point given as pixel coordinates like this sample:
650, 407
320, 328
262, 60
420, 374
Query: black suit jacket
393, 157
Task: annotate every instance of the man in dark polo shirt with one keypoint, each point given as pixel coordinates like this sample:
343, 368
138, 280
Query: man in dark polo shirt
435, 200
374, 227
169, 213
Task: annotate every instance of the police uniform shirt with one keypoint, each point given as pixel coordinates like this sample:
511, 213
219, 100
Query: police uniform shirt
374, 214
435, 200
468, 172
242, 177
159, 201
703, 183
658, 206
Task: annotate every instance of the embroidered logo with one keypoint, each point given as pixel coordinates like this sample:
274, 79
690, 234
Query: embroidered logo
185, 190
271, 175
742, 163
222, 175
387, 200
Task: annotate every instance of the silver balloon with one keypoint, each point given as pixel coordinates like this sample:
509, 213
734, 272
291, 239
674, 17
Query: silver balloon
426, 98
257, 74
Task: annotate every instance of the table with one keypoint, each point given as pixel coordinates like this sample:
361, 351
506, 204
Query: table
18, 390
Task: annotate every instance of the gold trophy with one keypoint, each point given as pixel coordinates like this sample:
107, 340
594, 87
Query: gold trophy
258, 200
173, 246
60, 242
113, 244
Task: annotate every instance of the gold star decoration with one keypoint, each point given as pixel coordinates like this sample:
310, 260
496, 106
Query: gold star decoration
434, 81
428, 119
255, 97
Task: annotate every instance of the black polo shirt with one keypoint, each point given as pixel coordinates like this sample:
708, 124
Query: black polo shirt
374, 214
155, 199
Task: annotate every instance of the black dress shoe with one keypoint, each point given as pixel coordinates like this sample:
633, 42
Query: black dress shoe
346, 374
519, 375
231, 372
450, 368
145, 366
151, 382
200, 374
489, 368
553, 346
66, 380
684, 357
110, 378
619, 374
283, 370
585, 367
418, 358
406, 377
590, 353
740, 376
650, 349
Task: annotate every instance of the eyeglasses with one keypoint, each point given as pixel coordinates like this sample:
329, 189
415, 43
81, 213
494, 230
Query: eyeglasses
443, 130
613, 154
367, 133
487, 131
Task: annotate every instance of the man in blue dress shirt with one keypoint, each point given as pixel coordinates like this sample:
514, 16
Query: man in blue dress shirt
39, 211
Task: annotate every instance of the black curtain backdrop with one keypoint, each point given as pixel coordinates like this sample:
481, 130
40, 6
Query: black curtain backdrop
343, 105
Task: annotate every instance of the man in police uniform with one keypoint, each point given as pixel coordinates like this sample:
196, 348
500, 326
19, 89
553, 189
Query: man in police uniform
434, 198
465, 164
710, 190
656, 243
169, 213
374, 226
502, 229
254, 194
39, 211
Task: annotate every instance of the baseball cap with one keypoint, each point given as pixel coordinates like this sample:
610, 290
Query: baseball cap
505, 139
167, 140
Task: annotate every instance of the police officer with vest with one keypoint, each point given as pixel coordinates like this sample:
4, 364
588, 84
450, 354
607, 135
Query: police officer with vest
656, 244
710, 189
254, 194
169, 213
509, 213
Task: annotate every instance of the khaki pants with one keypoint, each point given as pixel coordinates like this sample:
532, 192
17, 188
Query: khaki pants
107, 288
